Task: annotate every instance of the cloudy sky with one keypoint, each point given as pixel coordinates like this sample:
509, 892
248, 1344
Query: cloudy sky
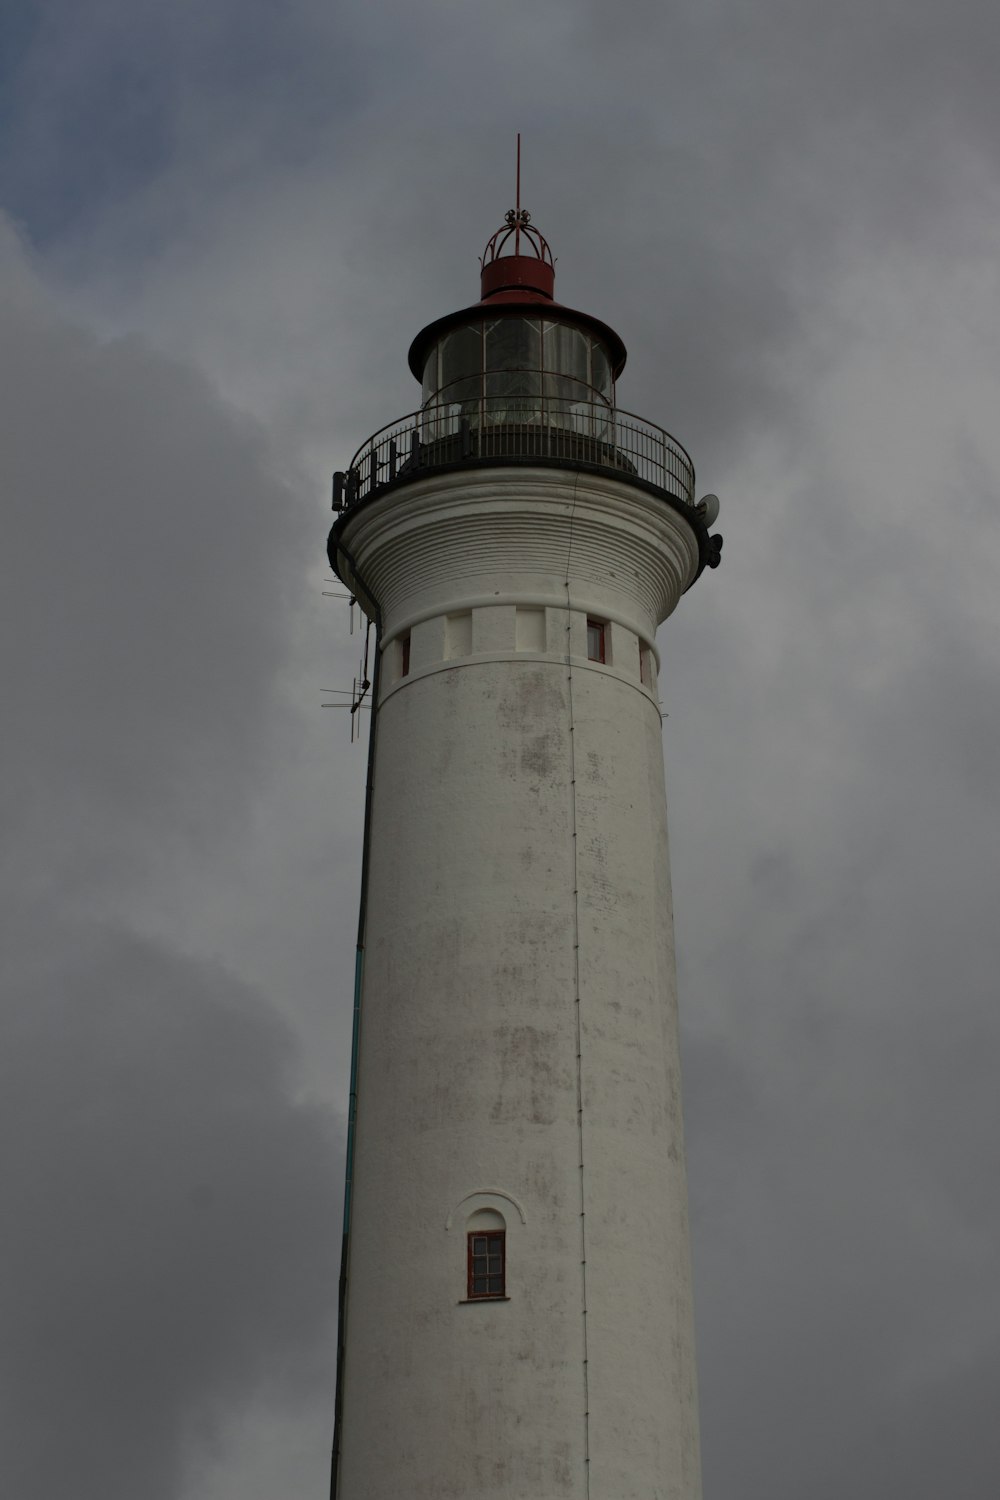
220, 225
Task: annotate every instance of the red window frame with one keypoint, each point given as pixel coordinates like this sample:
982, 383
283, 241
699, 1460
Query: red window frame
487, 1265
596, 642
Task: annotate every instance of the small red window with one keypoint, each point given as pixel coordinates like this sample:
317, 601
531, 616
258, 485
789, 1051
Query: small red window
595, 640
405, 647
487, 1264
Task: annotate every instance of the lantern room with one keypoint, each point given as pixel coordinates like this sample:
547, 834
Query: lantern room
517, 356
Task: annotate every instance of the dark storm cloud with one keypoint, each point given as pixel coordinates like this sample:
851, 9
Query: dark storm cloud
760, 150
789, 211
99, 101
169, 1237
840, 1003
141, 513
169, 1208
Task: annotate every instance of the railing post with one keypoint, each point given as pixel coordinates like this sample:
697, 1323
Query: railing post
415, 448
392, 459
466, 432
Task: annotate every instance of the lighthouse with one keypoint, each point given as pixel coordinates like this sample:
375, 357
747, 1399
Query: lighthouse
515, 1308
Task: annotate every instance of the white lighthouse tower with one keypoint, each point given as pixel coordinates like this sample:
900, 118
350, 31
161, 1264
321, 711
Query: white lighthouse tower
516, 1317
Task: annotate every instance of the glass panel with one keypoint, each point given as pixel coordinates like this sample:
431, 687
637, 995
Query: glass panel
571, 404
430, 382
513, 344
593, 419
429, 425
595, 641
600, 367
479, 1244
479, 1286
462, 356
513, 396
516, 386
439, 422
565, 388
462, 394
567, 351
496, 1285
513, 377
495, 1265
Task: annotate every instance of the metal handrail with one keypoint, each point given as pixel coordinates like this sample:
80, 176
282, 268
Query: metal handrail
518, 429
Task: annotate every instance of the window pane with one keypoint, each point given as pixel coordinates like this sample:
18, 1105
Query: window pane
461, 397
595, 640
513, 344
565, 388
486, 1264
567, 352
461, 353
513, 380
429, 384
513, 393
600, 369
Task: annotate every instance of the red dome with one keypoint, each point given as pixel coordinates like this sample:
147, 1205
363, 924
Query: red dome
517, 260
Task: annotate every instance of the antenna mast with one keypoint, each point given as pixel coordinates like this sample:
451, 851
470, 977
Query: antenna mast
517, 221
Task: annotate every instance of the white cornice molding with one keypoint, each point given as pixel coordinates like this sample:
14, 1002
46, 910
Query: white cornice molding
511, 532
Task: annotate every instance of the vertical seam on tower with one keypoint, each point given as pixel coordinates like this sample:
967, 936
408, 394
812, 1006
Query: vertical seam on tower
577, 1000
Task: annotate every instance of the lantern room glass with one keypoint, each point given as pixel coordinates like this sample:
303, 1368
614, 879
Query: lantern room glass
501, 371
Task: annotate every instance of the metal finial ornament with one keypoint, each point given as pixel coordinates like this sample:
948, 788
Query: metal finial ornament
517, 223
519, 236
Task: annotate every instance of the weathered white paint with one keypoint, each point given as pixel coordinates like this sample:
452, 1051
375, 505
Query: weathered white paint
519, 1035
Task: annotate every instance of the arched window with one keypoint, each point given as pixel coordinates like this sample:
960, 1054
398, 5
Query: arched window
486, 1232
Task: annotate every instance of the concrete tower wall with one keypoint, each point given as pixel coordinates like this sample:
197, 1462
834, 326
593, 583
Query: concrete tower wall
518, 1046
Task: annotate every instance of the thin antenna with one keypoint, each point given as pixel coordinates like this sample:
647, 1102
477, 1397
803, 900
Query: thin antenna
351, 600
517, 221
361, 686
355, 697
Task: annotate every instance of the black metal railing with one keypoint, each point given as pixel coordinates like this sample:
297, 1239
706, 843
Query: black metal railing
517, 429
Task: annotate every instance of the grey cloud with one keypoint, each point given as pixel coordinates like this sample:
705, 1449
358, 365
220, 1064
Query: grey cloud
147, 577
170, 1207
737, 190
170, 1232
842, 1118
